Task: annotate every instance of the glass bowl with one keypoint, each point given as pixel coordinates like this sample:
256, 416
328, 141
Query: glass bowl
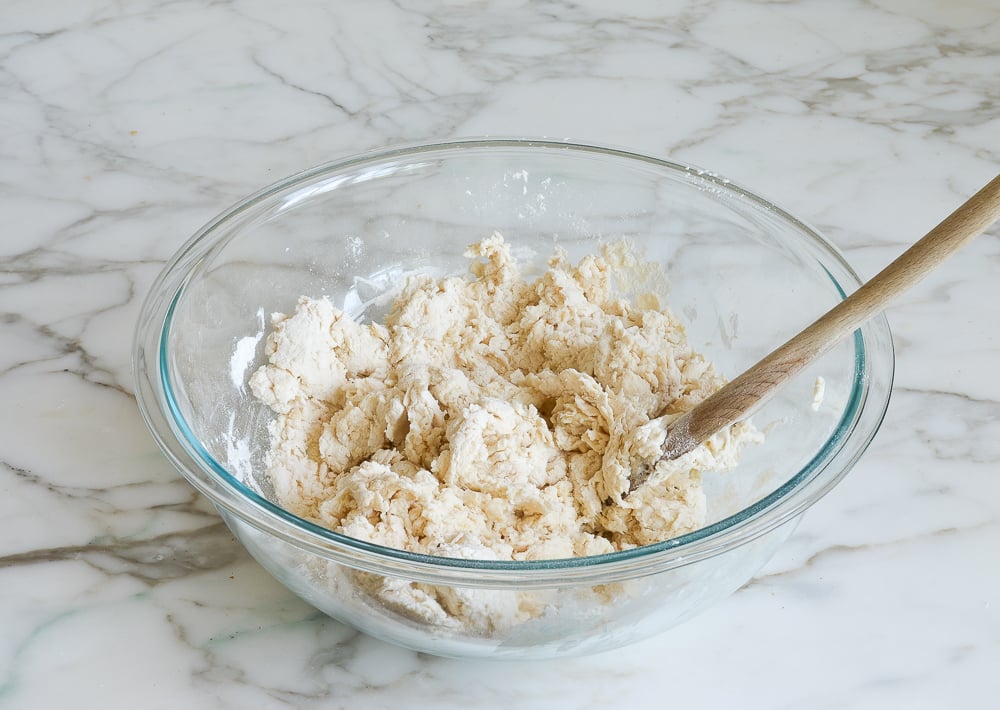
742, 274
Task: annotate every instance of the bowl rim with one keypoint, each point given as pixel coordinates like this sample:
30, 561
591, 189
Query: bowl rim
856, 428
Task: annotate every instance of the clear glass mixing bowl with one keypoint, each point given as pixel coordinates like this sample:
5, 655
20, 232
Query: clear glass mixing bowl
743, 274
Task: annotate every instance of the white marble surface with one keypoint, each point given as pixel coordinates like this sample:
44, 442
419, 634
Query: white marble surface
125, 126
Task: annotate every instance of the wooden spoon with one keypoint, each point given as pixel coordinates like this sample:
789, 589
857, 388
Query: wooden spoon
744, 394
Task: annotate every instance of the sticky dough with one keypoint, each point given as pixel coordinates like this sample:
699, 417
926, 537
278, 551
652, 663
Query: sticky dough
491, 417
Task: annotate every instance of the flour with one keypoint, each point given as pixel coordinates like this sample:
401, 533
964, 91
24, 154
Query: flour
490, 418
819, 392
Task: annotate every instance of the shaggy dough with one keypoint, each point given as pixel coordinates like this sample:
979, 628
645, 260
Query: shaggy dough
490, 417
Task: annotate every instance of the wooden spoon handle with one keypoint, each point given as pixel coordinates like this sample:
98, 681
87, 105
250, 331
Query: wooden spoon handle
741, 396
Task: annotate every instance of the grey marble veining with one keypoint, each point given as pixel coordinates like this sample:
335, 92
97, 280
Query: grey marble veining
127, 126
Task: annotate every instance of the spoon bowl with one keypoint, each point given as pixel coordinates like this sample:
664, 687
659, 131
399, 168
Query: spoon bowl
740, 272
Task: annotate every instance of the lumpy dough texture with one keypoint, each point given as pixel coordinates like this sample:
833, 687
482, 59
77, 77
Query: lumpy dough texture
489, 417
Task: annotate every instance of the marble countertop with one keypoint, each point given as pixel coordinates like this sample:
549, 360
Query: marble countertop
125, 126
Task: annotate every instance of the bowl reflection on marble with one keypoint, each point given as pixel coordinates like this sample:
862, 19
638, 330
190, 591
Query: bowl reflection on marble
743, 275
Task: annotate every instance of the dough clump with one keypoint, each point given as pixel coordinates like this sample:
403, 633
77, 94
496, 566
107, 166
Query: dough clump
490, 417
